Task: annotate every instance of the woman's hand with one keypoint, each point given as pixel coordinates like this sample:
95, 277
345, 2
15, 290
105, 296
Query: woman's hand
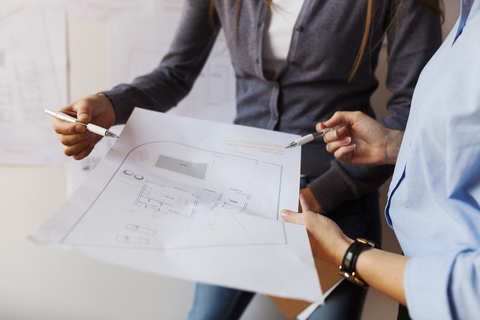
362, 141
328, 242
382, 270
77, 141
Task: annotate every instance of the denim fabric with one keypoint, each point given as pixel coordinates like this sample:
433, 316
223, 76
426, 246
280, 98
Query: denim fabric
218, 303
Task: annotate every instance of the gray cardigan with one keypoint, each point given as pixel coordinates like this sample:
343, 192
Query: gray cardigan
314, 84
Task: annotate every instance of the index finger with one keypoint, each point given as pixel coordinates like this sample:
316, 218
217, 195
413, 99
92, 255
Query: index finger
63, 127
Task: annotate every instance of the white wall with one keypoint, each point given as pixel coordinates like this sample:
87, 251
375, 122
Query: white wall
43, 283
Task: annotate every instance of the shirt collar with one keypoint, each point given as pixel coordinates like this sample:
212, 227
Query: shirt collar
468, 9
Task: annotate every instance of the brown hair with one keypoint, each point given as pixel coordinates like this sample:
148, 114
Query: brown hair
435, 5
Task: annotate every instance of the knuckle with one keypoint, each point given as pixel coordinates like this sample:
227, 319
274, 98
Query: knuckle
56, 128
63, 140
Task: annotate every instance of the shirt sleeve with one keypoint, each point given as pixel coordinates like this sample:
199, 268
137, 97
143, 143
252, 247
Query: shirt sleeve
442, 279
444, 285
172, 80
413, 38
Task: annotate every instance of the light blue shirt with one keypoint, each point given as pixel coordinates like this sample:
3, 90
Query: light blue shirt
434, 196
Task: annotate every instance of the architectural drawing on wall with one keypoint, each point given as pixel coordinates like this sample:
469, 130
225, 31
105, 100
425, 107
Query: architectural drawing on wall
179, 196
138, 43
101, 9
29, 82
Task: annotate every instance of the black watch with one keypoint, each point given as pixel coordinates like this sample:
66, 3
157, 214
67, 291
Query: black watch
347, 269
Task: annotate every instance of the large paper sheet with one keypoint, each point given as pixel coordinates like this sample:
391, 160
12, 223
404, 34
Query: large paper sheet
78, 171
196, 200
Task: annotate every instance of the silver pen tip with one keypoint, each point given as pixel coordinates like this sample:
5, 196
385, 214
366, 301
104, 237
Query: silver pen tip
291, 145
111, 134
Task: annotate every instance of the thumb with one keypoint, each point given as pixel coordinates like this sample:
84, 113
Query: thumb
339, 117
290, 216
84, 110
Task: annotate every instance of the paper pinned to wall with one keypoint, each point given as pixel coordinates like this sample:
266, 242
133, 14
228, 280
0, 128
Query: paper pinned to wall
196, 200
138, 42
99, 9
33, 77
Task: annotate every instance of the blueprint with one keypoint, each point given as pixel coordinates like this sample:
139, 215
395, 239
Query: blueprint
175, 203
138, 42
195, 200
33, 77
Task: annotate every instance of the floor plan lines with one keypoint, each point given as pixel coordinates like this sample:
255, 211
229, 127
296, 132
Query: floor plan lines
167, 200
186, 197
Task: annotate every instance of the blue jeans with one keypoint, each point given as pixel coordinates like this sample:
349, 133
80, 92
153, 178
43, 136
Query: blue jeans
357, 218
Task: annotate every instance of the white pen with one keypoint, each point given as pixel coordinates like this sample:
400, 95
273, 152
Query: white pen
312, 136
90, 127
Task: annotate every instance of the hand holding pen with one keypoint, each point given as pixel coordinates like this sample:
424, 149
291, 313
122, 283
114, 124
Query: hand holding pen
90, 127
312, 136
364, 141
77, 137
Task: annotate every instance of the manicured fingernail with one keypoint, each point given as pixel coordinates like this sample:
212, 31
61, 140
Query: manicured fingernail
351, 146
346, 140
80, 128
82, 117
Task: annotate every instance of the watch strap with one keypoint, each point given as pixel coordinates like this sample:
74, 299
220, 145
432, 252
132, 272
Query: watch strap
347, 269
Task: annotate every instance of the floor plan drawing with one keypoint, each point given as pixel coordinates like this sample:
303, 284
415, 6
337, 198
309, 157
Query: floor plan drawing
185, 197
33, 76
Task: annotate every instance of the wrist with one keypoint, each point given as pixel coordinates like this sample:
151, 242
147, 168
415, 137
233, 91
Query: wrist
393, 146
347, 268
341, 249
108, 105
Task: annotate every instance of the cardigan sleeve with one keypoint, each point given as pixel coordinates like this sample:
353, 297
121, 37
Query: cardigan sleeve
173, 79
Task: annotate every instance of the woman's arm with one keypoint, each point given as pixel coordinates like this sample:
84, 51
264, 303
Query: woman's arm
159, 90
173, 79
382, 270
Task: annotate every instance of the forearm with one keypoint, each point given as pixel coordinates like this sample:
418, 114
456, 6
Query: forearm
383, 271
172, 80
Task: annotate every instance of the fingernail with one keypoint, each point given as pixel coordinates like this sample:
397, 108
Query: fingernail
82, 116
346, 140
284, 214
80, 128
351, 146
